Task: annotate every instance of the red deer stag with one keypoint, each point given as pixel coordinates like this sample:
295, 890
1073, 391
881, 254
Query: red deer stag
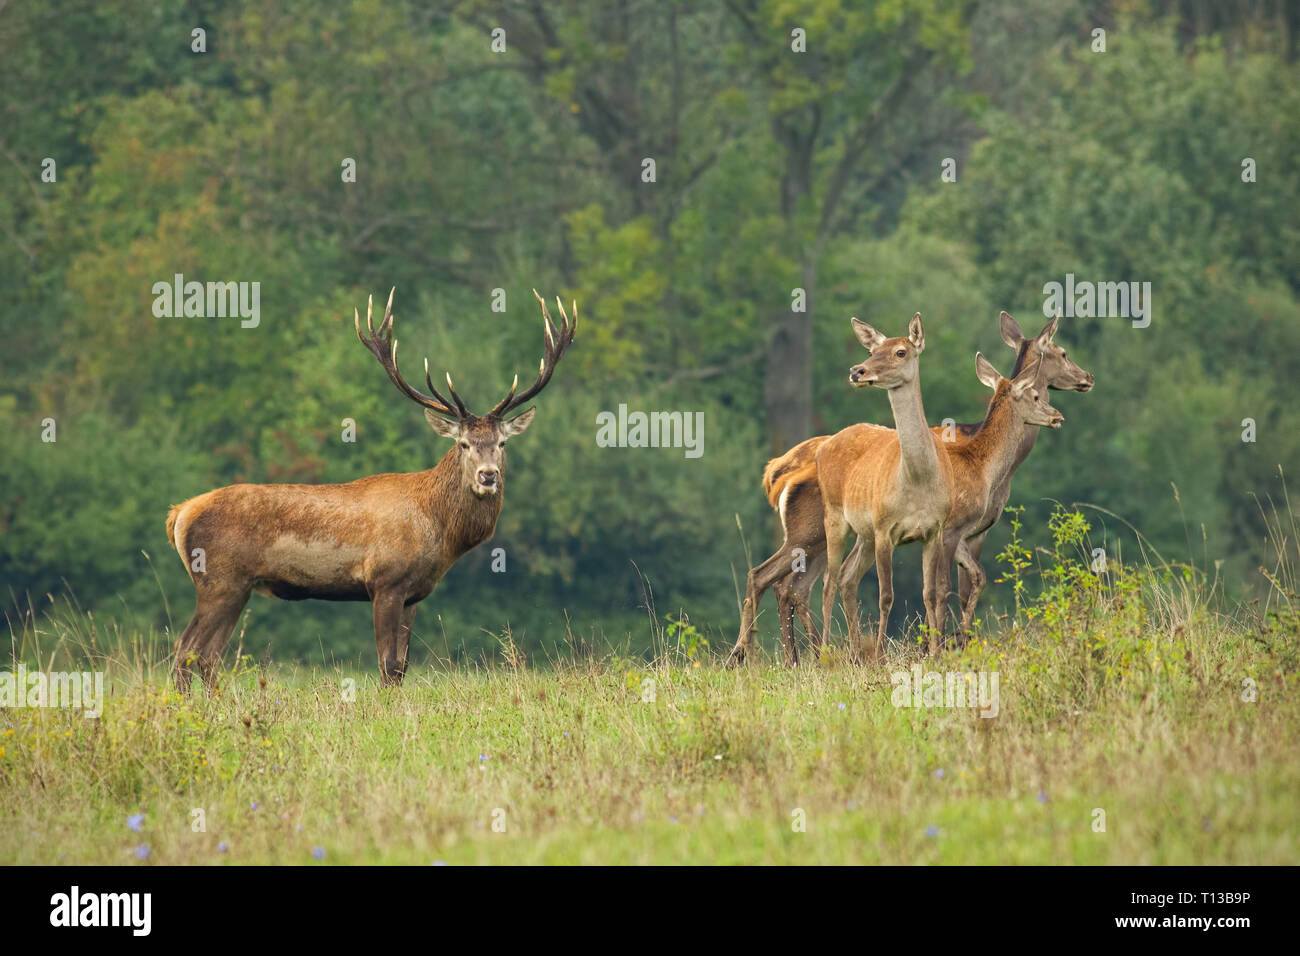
790, 484
387, 539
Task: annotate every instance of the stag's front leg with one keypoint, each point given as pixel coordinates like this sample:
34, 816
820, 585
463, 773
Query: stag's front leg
404, 635
389, 614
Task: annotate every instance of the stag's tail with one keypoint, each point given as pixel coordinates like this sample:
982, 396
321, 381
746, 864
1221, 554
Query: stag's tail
171, 530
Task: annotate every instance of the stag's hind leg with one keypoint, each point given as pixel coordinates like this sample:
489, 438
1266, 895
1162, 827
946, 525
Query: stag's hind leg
215, 614
392, 635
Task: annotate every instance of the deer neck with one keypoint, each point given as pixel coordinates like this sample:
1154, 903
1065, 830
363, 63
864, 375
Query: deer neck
1029, 434
460, 518
1002, 442
918, 459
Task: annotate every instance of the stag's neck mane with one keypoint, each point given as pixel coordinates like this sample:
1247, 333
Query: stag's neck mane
463, 518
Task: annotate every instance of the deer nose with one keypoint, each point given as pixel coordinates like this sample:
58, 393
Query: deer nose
487, 477
859, 374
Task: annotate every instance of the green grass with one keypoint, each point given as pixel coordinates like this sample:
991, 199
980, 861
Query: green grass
712, 771
1126, 692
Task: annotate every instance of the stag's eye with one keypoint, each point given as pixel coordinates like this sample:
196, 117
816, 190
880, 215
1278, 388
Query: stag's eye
501, 444
465, 445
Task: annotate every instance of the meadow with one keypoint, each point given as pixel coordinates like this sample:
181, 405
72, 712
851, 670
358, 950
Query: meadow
1137, 722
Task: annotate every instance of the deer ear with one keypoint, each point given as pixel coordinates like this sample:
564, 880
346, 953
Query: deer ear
868, 336
1010, 329
443, 426
916, 334
1049, 330
986, 372
1028, 373
517, 424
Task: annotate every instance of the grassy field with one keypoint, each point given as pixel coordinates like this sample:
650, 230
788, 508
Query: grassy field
1135, 724
568, 764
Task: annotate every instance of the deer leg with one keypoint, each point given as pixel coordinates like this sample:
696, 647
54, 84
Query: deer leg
785, 614
931, 569
885, 578
800, 595
855, 566
205, 637
404, 635
389, 610
757, 582
974, 571
836, 530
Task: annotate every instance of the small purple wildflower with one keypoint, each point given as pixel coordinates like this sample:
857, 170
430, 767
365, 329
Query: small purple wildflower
318, 852
1042, 796
223, 846
932, 831
135, 822
254, 805
142, 851
939, 774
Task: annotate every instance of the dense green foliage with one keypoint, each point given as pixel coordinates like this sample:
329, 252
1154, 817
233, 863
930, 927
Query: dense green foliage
479, 170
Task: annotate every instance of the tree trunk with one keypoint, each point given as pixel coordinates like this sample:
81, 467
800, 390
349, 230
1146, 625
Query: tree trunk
787, 383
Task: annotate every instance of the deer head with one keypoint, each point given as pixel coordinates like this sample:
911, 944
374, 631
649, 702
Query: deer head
1027, 402
1060, 373
893, 362
480, 439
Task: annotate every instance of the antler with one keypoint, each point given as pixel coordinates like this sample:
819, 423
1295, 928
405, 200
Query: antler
554, 342
383, 346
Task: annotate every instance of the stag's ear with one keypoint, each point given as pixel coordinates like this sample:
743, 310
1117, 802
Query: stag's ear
1010, 329
443, 426
517, 424
986, 372
1049, 330
868, 336
916, 334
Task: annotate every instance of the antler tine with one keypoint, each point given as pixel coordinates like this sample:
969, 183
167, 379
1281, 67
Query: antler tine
383, 346
456, 398
554, 344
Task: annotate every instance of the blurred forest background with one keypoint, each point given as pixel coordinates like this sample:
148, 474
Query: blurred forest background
774, 170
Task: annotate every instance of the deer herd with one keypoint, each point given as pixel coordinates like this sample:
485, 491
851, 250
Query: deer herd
389, 539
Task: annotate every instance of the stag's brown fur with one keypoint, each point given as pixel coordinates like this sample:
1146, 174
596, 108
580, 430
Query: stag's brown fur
387, 539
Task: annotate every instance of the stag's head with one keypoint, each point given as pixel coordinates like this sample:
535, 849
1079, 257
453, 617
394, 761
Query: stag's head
893, 362
1027, 402
1056, 371
480, 439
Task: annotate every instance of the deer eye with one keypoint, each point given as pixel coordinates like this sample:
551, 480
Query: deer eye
465, 445
901, 353
502, 443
